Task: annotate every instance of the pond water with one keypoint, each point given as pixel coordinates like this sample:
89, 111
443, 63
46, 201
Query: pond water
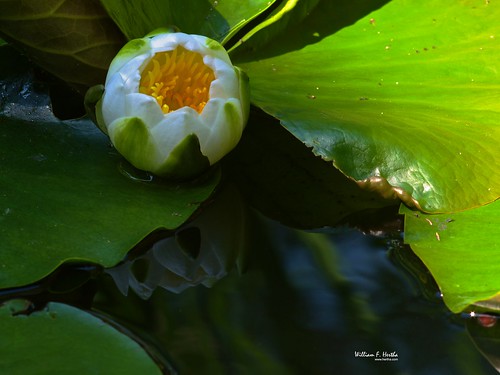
306, 303
258, 297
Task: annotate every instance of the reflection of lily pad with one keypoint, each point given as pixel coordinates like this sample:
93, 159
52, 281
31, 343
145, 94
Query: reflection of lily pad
65, 195
408, 92
462, 251
64, 340
201, 252
484, 331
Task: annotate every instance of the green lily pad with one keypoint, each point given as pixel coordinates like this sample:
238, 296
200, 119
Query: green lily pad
73, 40
408, 93
289, 12
66, 195
461, 250
65, 340
232, 16
216, 19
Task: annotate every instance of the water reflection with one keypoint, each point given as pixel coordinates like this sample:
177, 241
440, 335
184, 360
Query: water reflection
484, 331
201, 252
134, 174
329, 302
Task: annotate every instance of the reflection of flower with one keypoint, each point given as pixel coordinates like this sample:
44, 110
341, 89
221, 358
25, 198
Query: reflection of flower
169, 96
201, 252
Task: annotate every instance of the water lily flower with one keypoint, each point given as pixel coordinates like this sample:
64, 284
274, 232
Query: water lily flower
173, 103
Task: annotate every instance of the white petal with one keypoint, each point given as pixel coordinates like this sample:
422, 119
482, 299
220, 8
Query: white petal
225, 131
196, 43
129, 53
175, 126
113, 100
226, 84
144, 106
168, 42
209, 47
118, 86
132, 72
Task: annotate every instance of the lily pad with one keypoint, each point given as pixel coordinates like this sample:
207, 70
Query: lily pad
461, 250
73, 40
218, 20
65, 340
289, 12
408, 93
66, 195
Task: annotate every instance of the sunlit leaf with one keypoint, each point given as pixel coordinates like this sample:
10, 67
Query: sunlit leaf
65, 340
74, 40
408, 93
217, 19
461, 250
235, 13
66, 195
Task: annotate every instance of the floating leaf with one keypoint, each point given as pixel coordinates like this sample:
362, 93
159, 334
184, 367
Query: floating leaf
66, 195
65, 340
287, 14
216, 19
74, 40
461, 250
408, 93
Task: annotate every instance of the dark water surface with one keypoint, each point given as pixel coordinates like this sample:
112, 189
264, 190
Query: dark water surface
335, 301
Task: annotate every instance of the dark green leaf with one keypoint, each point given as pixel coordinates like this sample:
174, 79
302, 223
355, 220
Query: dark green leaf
74, 40
288, 14
65, 340
66, 195
216, 19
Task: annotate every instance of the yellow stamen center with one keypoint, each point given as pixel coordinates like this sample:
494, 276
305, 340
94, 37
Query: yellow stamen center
177, 79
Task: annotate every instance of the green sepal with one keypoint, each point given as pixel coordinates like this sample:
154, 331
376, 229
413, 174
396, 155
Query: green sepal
92, 106
132, 139
244, 83
185, 161
163, 30
234, 124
